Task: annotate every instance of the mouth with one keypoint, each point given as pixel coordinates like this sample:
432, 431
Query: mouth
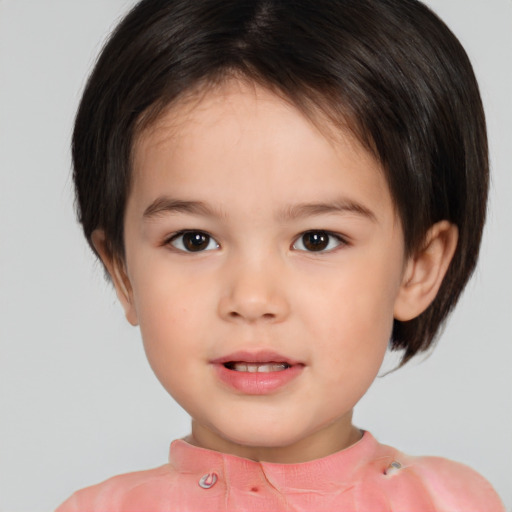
263, 361
258, 373
241, 366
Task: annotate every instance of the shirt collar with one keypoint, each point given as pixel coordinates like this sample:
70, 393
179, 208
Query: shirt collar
327, 474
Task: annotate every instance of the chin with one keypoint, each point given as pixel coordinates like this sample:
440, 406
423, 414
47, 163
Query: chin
267, 435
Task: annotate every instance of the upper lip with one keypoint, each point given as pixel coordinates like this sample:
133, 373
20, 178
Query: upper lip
261, 356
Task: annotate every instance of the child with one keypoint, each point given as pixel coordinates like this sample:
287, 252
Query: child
278, 191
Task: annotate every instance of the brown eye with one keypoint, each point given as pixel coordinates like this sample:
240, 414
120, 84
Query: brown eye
317, 241
194, 241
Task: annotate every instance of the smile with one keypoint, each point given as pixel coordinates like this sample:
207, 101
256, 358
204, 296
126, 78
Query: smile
256, 373
256, 367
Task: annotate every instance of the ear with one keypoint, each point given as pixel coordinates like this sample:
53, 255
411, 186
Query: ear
425, 270
116, 269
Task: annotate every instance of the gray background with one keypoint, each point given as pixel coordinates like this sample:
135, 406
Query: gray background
78, 402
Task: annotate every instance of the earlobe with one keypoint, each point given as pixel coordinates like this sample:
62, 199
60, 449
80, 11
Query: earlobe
425, 271
117, 272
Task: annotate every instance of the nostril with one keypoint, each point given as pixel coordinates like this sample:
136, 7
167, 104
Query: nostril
251, 306
251, 315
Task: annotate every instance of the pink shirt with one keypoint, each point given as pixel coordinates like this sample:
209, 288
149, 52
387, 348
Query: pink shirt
366, 477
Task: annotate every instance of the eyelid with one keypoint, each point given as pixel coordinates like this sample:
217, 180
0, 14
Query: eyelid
340, 239
179, 234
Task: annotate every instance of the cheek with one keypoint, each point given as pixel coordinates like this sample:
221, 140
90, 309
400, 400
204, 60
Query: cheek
169, 310
376, 287
355, 315
356, 346
359, 298
169, 323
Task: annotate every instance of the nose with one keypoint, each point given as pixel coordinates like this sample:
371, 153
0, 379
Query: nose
254, 293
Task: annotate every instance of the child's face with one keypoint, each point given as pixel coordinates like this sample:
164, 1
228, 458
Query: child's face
297, 259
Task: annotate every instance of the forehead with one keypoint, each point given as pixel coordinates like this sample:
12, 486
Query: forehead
245, 135
240, 101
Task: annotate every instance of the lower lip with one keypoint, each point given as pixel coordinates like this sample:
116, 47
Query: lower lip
257, 383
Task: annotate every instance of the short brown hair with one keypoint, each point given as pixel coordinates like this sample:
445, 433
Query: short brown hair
390, 70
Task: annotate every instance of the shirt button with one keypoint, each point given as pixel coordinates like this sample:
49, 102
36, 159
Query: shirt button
393, 468
208, 480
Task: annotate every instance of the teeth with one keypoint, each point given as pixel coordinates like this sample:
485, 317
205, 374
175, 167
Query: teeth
259, 368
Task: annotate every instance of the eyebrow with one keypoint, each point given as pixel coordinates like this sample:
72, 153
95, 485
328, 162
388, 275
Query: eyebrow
163, 205
341, 205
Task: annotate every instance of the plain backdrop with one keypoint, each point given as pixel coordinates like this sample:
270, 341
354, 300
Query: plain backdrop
78, 402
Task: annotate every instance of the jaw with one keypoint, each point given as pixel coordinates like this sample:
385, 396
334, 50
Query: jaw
336, 436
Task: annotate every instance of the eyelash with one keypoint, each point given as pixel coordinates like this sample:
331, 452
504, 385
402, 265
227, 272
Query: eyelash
178, 237
204, 239
318, 234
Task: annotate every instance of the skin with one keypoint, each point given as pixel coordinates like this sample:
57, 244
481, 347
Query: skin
247, 168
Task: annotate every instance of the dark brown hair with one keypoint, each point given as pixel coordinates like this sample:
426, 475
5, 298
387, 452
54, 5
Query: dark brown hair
389, 70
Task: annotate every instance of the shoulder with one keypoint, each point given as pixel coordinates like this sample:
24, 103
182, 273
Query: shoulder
113, 494
453, 486
434, 484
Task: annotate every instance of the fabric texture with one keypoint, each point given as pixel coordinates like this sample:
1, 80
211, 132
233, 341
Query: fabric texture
366, 477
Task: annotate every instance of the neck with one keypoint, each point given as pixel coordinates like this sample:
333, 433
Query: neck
330, 439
